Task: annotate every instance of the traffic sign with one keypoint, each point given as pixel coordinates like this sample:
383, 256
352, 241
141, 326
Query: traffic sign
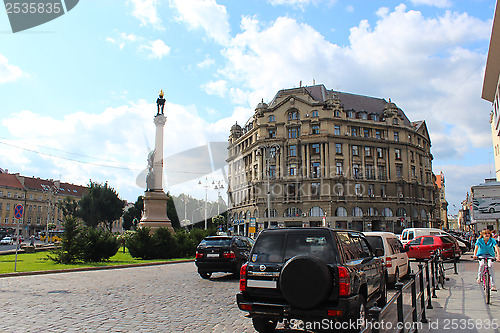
18, 211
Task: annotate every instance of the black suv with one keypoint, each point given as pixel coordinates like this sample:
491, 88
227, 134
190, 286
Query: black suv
321, 276
222, 254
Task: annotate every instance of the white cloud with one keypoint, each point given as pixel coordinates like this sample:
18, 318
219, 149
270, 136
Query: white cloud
157, 49
146, 12
9, 72
206, 63
218, 88
205, 14
417, 61
436, 3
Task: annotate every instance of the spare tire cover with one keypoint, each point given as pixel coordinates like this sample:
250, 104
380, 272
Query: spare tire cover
305, 282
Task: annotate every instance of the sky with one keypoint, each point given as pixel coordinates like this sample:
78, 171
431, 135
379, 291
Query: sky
78, 93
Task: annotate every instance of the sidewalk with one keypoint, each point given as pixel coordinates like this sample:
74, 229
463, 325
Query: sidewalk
461, 306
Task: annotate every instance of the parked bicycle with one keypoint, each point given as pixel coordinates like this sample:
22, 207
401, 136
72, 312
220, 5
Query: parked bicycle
439, 268
486, 276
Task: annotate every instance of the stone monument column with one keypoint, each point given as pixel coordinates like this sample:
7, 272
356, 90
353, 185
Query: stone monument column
155, 199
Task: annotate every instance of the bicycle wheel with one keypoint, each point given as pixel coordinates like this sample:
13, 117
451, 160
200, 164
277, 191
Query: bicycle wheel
487, 286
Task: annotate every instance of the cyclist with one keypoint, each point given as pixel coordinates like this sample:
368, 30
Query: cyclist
486, 246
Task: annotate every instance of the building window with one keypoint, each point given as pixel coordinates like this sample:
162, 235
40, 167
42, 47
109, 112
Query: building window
378, 134
368, 151
272, 118
382, 191
315, 148
370, 171
292, 150
293, 115
413, 172
293, 170
396, 136
397, 153
380, 153
375, 117
382, 173
315, 189
291, 191
315, 170
363, 115
337, 130
350, 114
272, 171
372, 211
354, 131
1, 203
293, 212
371, 190
355, 151
338, 167
7, 206
8, 194
338, 148
366, 133
399, 170
272, 133
395, 121
412, 156
315, 113
357, 190
355, 171
400, 191
357, 212
293, 132
341, 212
336, 113
315, 129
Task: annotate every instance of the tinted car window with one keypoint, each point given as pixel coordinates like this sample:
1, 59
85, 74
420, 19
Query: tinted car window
317, 245
268, 248
363, 248
428, 241
415, 241
375, 242
447, 239
395, 245
215, 242
351, 252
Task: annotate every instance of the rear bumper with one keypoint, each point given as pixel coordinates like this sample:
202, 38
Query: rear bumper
217, 266
347, 306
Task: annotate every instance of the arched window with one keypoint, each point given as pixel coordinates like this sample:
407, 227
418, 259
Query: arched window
387, 212
423, 214
273, 213
375, 117
293, 114
316, 211
341, 212
315, 113
241, 216
248, 216
372, 211
350, 114
357, 211
293, 212
401, 212
415, 213
256, 213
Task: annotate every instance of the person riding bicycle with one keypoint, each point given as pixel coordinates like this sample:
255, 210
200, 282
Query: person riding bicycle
486, 246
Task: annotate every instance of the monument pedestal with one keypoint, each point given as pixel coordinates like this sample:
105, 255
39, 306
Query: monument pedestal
155, 211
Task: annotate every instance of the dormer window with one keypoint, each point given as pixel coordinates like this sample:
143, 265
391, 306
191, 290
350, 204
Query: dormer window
363, 115
395, 121
375, 117
350, 114
272, 118
293, 115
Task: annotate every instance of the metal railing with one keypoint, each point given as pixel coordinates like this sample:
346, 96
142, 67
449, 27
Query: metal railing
423, 285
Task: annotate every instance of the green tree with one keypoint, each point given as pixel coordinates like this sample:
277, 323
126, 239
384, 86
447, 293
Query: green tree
70, 249
134, 212
69, 206
100, 204
172, 212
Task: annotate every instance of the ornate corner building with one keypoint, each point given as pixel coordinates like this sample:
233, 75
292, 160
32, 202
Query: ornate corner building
318, 157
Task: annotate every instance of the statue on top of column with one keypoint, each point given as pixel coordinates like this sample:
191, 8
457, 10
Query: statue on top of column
160, 103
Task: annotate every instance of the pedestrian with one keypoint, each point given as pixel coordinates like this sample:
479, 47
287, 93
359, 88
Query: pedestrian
32, 240
486, 246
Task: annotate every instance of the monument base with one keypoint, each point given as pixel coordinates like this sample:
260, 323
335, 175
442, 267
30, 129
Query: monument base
155, 211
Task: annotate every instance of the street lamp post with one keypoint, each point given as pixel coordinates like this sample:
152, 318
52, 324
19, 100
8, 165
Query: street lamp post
206, 185
218, 186
270, 152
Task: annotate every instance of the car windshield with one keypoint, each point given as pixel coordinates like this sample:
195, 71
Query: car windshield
375, 242
215, 242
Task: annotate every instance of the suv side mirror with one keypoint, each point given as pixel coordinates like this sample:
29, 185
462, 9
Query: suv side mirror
379, 252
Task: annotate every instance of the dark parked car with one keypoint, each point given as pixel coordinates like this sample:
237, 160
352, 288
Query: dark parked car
318, 275
222, 254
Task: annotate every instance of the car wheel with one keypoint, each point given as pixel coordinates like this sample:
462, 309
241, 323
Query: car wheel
492, 210
205, 275
361, 316
305, 282
264, 325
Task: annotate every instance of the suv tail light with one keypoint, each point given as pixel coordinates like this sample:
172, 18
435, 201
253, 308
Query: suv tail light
344, 281
243, 277
388, 262
229, 255
199, 255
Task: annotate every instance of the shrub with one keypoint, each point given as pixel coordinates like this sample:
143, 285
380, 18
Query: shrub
140, 244
70, 250
97, 244
164, 244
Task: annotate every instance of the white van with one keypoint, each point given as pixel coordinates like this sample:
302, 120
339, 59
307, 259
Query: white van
395, 258
409, 233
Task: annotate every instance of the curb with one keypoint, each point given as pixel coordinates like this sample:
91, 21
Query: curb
84, 269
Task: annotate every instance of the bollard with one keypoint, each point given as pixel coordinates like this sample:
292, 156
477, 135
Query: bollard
414, 299
455, 260
428, 284
434, 280
375, 316
422, 293
401, 318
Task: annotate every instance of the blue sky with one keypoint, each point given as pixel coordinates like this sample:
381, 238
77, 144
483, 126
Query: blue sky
77, 93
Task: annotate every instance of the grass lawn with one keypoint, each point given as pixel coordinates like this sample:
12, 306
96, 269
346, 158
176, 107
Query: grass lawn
39, 261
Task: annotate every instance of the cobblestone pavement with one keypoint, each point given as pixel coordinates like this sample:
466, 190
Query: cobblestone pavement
166, 298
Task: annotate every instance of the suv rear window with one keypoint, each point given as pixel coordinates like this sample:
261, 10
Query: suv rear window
316, 245
215, 242
268, 247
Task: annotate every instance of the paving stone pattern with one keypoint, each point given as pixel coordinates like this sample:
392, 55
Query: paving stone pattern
166, 298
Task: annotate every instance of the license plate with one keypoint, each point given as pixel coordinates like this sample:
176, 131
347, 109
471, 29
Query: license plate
261, 284
212, 255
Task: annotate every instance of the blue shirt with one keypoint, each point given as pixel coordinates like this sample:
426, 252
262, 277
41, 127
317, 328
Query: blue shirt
486, 249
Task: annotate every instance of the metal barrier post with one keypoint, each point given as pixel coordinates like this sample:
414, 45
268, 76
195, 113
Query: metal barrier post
375, 316
428, 284
399, 290
414, 299
455, 260
422, 293
434, 279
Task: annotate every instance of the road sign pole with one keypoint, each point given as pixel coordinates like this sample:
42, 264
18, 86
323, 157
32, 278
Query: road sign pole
18, 214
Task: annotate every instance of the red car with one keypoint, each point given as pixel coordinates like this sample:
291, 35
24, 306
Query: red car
422, 247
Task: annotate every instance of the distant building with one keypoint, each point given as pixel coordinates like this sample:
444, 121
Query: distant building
316, 157
491, 87
442, 203
39, 198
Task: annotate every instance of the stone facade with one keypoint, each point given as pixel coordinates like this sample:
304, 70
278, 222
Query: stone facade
317, 157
